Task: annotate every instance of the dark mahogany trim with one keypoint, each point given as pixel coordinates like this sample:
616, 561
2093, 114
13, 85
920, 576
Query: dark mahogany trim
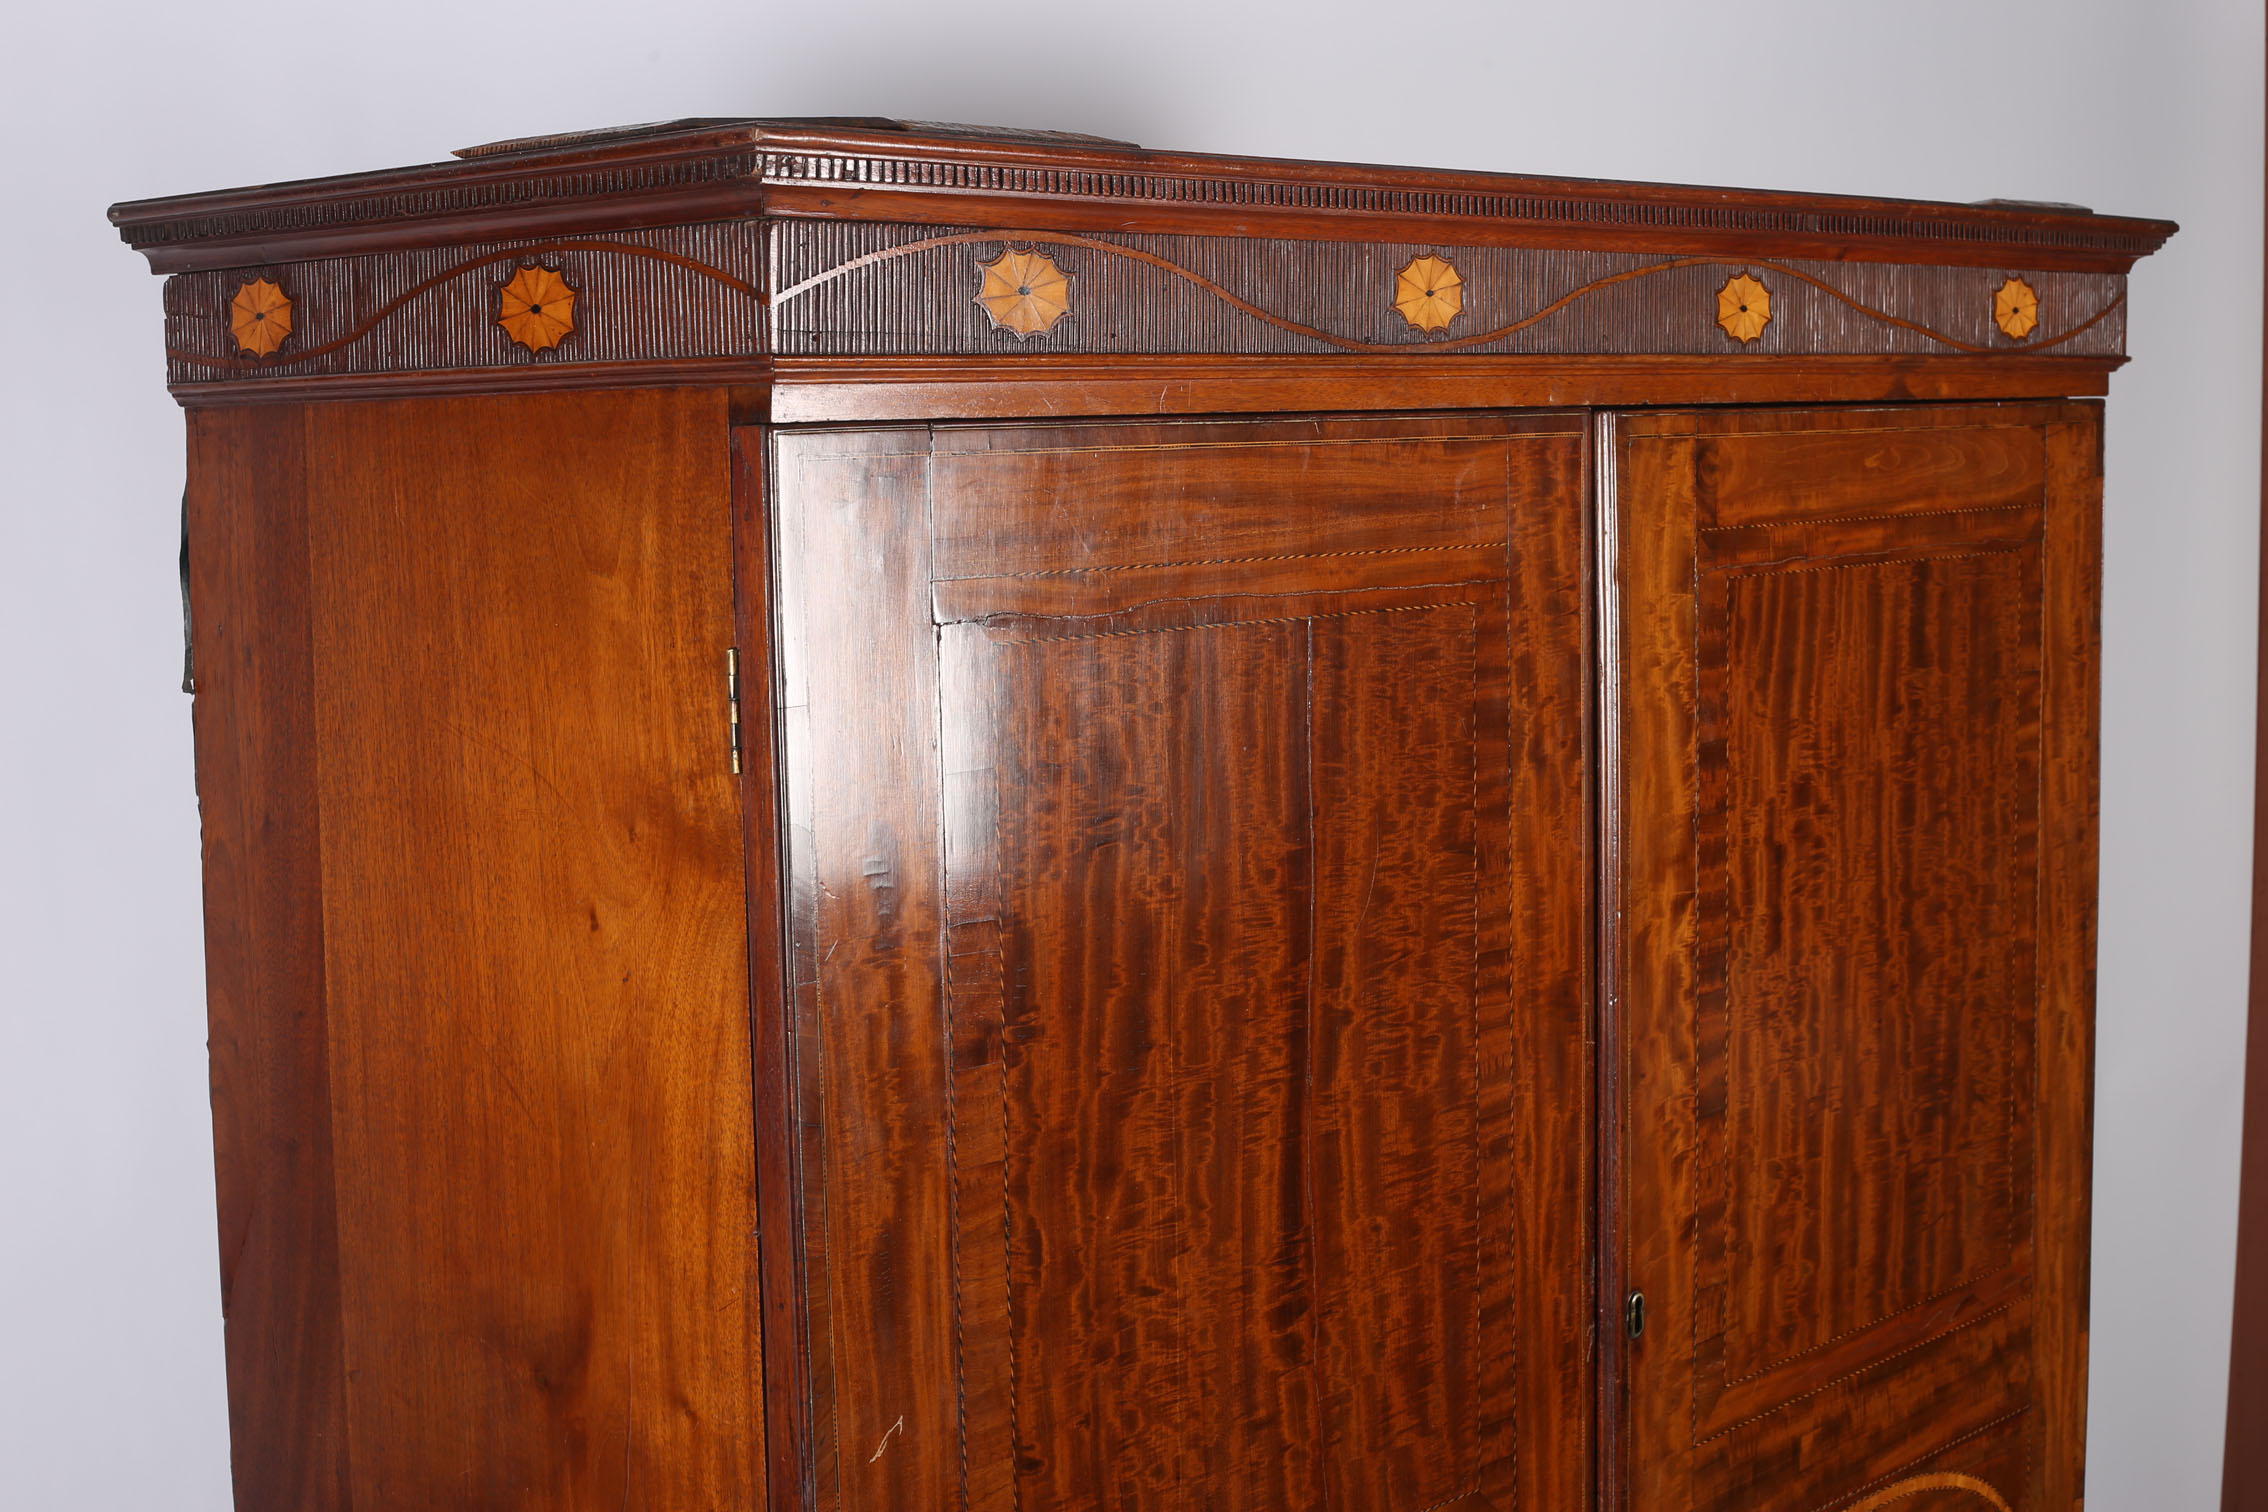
809, 390
2244, 1455
718, 372
863, 203
820, 390
787, 1345
708, 170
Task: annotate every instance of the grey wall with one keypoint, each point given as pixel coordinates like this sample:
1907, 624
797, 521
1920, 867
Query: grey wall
110, 1351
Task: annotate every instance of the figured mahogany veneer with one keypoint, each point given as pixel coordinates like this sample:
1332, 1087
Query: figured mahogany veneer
1851, 948
901, 818
1232, 1065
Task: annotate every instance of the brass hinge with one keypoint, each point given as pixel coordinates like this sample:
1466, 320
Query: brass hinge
732, 696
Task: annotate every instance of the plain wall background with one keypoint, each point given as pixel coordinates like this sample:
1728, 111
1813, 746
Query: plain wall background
110, 1345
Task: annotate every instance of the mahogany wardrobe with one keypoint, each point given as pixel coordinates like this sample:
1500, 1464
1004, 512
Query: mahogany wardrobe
903, 818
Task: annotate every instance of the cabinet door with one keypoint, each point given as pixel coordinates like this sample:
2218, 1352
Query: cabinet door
1186, 920
1851, 790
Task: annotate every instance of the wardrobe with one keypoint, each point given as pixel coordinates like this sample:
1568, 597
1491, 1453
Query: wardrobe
908, 818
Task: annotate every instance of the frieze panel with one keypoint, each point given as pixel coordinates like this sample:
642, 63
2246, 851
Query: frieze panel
863, 289
684, 292
860, 289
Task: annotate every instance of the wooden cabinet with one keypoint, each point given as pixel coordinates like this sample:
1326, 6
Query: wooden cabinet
906, 818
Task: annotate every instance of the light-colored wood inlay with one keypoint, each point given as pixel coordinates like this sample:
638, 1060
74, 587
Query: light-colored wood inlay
536, 308
1429, 293
1024, 292
2016, 309
1916, 1485
260, 316
1744, 307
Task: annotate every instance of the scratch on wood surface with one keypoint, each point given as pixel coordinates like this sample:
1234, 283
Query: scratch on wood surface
878, 1448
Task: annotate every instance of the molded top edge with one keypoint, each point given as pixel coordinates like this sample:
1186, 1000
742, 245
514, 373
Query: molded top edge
854, 167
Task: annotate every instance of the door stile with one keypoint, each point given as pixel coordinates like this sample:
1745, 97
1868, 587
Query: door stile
780, 1280
1605, 718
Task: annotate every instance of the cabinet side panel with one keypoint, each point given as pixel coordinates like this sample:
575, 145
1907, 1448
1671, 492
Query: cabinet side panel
2070, 809
264, 958
536, 949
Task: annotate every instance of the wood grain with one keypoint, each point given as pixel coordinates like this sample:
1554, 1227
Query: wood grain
1775, 476
858, 703
878, 390
269, 1024
535, 951
785, 1284
1411, 1054
1085, 501
808, 391
1242, 1213
1866, 961
2062, 1185
1154, 1036
1855, 821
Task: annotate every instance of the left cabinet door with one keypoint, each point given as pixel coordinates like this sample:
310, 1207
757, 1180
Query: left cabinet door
1186, 916
476, 950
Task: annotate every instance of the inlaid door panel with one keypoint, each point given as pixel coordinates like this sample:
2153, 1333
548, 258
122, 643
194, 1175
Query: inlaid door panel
1849, 977
1195, 1034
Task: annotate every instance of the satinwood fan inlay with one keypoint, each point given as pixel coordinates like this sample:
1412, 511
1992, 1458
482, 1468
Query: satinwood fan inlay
536, 308
1024, 292
2016, 309
1429, 293
1744, 307
260, 317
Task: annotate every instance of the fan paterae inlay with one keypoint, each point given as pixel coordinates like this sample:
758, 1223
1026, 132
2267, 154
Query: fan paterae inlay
260, 316
1024, 292
1744, 307
536, 308
2016, 309
1429, 293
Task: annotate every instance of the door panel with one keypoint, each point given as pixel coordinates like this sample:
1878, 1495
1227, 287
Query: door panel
1849, 989
1198, 1005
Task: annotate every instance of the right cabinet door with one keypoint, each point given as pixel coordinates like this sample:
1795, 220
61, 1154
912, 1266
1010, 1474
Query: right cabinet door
1849, 782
